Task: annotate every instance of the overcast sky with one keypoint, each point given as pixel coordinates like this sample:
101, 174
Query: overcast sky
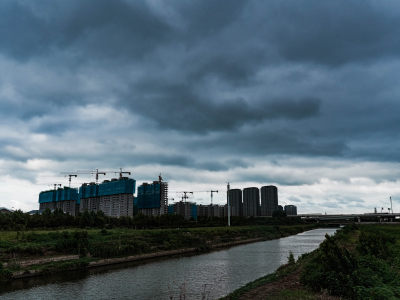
300, 94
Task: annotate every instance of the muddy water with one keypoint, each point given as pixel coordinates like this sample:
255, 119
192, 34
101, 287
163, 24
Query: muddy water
206, 276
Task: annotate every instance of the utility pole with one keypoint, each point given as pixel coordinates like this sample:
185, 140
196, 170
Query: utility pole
229, 206
212, 195
391, 205
56, 185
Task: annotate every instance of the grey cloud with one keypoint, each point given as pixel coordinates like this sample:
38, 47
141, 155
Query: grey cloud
264, 141
332, 205
333, 33
295, 199
202, 85
266, 178
239, 163
177, 107
96, 28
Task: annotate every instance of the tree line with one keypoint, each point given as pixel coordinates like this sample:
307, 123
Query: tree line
19, 220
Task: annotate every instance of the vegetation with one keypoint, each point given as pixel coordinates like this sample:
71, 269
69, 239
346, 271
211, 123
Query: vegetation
291, 260
358, 262
366, 269
277, 275
21, 221
93, 244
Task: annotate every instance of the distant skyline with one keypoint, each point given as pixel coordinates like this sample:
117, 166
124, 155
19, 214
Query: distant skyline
299, 94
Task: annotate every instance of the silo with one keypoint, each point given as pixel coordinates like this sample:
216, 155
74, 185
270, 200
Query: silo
235, 202
269, 200
251, 202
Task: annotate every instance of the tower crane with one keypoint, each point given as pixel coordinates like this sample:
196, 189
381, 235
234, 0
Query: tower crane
56, 185
121, 172
210, 191
89, 172
97, 172
69, 178
185, 196
212, 195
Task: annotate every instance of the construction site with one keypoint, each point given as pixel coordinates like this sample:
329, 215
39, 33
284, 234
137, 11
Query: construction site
116, 198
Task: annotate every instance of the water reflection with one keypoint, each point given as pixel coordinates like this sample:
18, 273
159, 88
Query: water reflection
215, 274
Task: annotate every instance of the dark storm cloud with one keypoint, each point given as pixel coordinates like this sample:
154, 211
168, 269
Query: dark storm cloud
334, 32
101, 28
202, 78
187, 111
263, 141
265, 178
317, 31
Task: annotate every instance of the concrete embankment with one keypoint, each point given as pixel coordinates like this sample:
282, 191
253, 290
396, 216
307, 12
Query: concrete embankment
141, 257
168, 253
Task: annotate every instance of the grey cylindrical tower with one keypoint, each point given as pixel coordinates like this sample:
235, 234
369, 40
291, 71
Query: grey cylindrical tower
235, 201
269, 200
251, 202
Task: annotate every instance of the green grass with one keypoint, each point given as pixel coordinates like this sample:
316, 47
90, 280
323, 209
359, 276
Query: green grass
62, 265
280, 273
39, 241
294, 295
250, 286
346, 238
120, 242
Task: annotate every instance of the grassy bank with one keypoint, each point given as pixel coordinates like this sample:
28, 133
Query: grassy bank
359, 262
29, 251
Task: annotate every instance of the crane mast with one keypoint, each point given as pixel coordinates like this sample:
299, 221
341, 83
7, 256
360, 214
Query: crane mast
69, 179
212, 192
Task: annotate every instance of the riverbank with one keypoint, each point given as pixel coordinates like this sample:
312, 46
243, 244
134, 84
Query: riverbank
35, 253
359, 262
85, 263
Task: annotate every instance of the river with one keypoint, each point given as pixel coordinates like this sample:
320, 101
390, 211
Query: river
206, 276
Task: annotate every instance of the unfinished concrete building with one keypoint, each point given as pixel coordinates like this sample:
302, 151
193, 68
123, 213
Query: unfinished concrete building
113, 197
152, 198
65, 199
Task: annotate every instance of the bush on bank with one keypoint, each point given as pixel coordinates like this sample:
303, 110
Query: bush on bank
370, 270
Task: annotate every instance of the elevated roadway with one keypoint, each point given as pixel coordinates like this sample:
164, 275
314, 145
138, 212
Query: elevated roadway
352, 217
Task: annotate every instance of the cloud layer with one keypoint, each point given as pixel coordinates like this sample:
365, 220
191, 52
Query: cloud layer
253, 92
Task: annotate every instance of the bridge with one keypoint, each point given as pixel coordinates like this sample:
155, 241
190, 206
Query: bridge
368, 217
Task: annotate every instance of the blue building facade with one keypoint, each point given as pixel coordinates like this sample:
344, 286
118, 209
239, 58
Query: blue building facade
186, 209
114, 197
152, 198
67, 199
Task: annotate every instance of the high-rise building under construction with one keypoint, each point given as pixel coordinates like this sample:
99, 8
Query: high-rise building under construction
113, 197
65, 199
152, 198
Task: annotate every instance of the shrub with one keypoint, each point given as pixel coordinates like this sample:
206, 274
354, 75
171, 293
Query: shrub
291, 260
5, 275
375, 244
330, 269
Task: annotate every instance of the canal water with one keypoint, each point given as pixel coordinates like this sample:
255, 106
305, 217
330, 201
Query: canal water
206, 276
